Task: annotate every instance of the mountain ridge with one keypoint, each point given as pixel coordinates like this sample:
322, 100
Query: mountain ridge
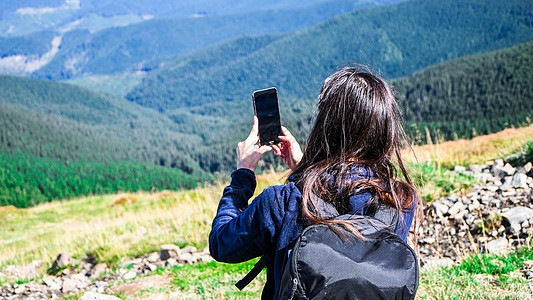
298, 63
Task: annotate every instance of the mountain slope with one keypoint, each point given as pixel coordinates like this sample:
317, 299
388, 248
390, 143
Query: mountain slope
397, 39
18, 18
460, 98
478, 94
61, 141
147, 135
126, 48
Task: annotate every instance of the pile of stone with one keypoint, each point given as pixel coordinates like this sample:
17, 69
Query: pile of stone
72, 276
494, 217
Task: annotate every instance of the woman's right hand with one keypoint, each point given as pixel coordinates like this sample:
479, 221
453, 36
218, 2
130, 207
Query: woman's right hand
289, 150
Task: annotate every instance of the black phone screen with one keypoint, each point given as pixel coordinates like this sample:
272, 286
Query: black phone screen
267, 112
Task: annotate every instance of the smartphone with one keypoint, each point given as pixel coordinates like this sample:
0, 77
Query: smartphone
266, 109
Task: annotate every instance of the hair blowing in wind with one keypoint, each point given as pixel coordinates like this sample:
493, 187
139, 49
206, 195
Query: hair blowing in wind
358, 124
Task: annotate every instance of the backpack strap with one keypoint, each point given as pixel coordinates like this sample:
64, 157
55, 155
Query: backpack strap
258, 267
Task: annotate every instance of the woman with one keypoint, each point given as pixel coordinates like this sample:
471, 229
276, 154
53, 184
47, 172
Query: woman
350, 160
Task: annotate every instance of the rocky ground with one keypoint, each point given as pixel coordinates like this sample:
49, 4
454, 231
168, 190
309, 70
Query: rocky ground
494, 217
73, 276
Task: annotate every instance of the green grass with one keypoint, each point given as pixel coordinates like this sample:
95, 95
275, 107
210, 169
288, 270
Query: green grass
215, 281
435, 182
480, 277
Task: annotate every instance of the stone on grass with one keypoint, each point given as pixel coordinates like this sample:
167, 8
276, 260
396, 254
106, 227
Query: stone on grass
189, 249
459, 169
153, 257
168, 251
498, 246
98, 269
61, 261
69, 285
438, 263
456, 208
517, 215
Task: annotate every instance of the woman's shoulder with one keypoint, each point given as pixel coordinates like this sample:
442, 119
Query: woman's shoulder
286, 197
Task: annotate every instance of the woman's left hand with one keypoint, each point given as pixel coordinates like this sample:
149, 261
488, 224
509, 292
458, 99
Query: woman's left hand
248, 152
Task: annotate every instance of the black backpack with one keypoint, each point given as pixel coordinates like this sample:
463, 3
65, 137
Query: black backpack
324, 264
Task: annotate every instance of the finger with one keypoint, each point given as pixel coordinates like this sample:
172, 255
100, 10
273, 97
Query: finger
286, 132
285, 139
253, 137
264, 149
277, 150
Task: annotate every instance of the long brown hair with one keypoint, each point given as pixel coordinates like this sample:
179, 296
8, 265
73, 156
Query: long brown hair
357, 125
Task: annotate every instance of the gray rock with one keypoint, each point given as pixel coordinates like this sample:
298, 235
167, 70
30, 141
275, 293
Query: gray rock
129, 275
61, 261
498, 162
502, 171
168, 251
98, 269
440, 209
97, 296
153, 257
172, 261
100, 285
476, 168
189, 249
34, 287
519, 180
185, 258
19, 289
438, 263
497, 246
459, 169
528, 167
456, 208
516, 216
69, 285
152, 267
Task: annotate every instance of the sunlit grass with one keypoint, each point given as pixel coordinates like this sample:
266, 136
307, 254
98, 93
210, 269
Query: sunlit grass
479, 150
114, 232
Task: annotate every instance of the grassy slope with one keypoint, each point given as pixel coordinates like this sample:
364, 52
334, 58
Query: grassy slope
95, 225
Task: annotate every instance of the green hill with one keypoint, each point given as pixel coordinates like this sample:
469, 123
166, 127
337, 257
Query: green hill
396, 39
58, 140
478, 94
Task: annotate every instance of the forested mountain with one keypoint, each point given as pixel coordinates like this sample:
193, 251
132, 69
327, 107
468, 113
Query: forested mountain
478, 94
471, 95
148, 135
84, 52
397, 39
58, 140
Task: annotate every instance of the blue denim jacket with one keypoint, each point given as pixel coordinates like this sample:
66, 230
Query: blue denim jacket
270, 223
